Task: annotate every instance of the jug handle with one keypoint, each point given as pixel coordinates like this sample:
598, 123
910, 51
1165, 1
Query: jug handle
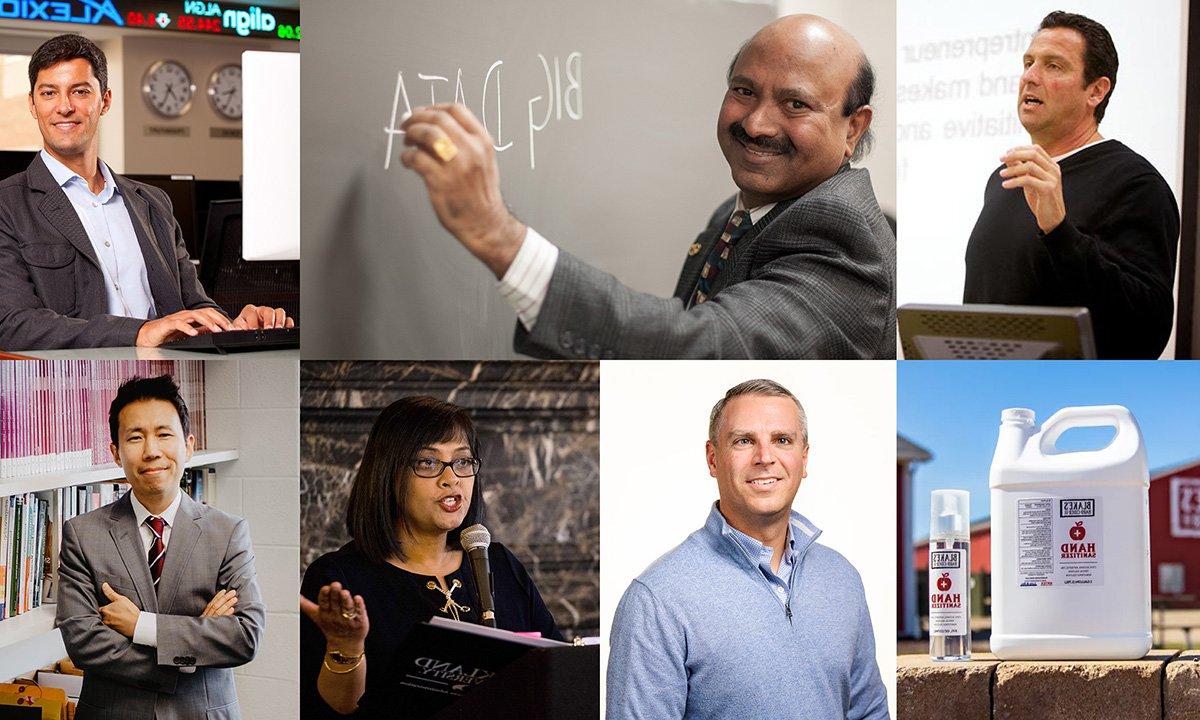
1114, 416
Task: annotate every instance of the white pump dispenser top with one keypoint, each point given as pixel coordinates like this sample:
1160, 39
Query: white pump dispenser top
950, 514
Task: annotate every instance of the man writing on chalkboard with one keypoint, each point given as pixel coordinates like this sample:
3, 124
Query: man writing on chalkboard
89, 258
800, 264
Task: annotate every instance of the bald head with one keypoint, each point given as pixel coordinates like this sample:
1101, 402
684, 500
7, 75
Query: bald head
812, 41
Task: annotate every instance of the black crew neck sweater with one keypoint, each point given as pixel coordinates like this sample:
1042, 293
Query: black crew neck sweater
1113, 254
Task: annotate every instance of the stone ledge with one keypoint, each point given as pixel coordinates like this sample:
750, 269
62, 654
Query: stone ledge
1054, 690
1164, 685
926, 690
1182, 688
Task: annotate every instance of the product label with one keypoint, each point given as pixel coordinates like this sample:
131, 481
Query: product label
948, 592
1059, 542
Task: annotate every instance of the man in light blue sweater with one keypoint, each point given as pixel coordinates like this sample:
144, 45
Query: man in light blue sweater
749, 617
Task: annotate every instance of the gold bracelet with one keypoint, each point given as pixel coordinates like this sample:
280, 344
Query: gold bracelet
344, 672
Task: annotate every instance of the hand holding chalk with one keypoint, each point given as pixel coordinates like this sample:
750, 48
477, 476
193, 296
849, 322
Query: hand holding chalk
454, 155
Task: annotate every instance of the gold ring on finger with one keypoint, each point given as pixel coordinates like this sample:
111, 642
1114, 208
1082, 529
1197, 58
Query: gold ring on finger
350, 615
445, 148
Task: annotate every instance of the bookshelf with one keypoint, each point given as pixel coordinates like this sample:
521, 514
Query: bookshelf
30, 640
100, 473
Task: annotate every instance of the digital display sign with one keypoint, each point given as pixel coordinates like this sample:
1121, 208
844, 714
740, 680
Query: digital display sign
202, 16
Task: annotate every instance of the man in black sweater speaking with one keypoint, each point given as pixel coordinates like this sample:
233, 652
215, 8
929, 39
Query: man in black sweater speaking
1094, 224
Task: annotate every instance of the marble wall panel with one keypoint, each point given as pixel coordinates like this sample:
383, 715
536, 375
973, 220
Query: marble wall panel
539, 433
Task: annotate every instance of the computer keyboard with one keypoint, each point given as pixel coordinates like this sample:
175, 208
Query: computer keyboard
235, 341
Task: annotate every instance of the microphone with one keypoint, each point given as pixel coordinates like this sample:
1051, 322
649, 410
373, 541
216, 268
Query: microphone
475, 541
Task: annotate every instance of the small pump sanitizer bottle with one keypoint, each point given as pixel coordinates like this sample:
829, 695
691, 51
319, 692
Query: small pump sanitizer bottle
949, 576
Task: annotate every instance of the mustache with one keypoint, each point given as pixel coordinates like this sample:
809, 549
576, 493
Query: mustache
776, 144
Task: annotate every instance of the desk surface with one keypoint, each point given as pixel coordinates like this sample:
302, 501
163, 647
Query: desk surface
135, 353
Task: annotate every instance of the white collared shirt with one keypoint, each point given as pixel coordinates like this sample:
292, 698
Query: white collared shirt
106, 221
757, 213
146, 630
527, 280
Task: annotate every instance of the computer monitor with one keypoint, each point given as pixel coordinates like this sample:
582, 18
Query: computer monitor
271, 154
222, 224
233, 282
995, 332
209, 190
190, 199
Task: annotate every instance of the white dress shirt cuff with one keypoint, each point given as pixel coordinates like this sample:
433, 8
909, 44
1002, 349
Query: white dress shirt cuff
146, 630
527, 280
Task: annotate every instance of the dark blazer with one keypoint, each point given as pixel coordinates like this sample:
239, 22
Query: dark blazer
209, 550
813, 278
52, 292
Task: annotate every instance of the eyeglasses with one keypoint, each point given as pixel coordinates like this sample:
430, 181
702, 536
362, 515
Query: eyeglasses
432, 467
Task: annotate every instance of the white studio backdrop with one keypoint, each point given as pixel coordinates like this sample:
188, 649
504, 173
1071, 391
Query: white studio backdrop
271, 155
655, 488
958, 75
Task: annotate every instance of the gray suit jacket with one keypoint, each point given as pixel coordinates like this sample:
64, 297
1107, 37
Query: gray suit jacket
814, 278
209, 550
52, 292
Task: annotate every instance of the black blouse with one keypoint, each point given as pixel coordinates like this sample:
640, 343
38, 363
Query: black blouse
396, 600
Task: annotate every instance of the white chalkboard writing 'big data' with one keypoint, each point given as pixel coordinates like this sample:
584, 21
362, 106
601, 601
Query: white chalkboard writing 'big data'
603, 117
554, 99
958, 77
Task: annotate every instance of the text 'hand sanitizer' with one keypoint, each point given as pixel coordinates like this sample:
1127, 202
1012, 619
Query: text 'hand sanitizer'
1070, 540
950, 575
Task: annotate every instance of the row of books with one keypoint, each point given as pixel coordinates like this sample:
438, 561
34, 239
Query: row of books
25, 546
54, 413
197, 482
29, 528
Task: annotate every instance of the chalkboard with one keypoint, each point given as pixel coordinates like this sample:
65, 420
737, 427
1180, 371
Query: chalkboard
606, 113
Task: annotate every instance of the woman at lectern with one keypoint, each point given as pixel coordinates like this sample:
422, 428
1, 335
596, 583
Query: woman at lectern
416, 490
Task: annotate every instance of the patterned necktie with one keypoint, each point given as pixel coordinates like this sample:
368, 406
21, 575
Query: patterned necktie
737, 226
158, 551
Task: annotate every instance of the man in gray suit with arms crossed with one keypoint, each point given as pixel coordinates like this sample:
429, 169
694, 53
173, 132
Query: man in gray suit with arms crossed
158, 596
800, 264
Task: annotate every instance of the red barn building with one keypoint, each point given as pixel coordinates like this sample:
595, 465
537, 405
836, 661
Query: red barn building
980, 570
1175, 534
908, 455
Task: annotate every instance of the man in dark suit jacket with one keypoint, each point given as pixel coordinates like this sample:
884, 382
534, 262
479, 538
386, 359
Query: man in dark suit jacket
89, 258
801, 263
158, 597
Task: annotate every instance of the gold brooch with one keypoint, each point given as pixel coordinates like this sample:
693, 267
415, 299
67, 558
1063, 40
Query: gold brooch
451, 607
695, 248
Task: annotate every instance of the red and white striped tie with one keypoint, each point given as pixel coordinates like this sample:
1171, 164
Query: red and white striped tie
158, 551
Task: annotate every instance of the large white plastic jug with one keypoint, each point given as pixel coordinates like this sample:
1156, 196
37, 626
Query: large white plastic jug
1070, 540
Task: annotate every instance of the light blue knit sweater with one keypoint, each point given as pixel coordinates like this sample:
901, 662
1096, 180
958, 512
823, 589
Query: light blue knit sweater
700, 634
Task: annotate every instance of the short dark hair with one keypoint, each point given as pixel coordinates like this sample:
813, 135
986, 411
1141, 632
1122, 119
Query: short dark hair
1099, 52
136, 389
858, 94
377, 499
68, 47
